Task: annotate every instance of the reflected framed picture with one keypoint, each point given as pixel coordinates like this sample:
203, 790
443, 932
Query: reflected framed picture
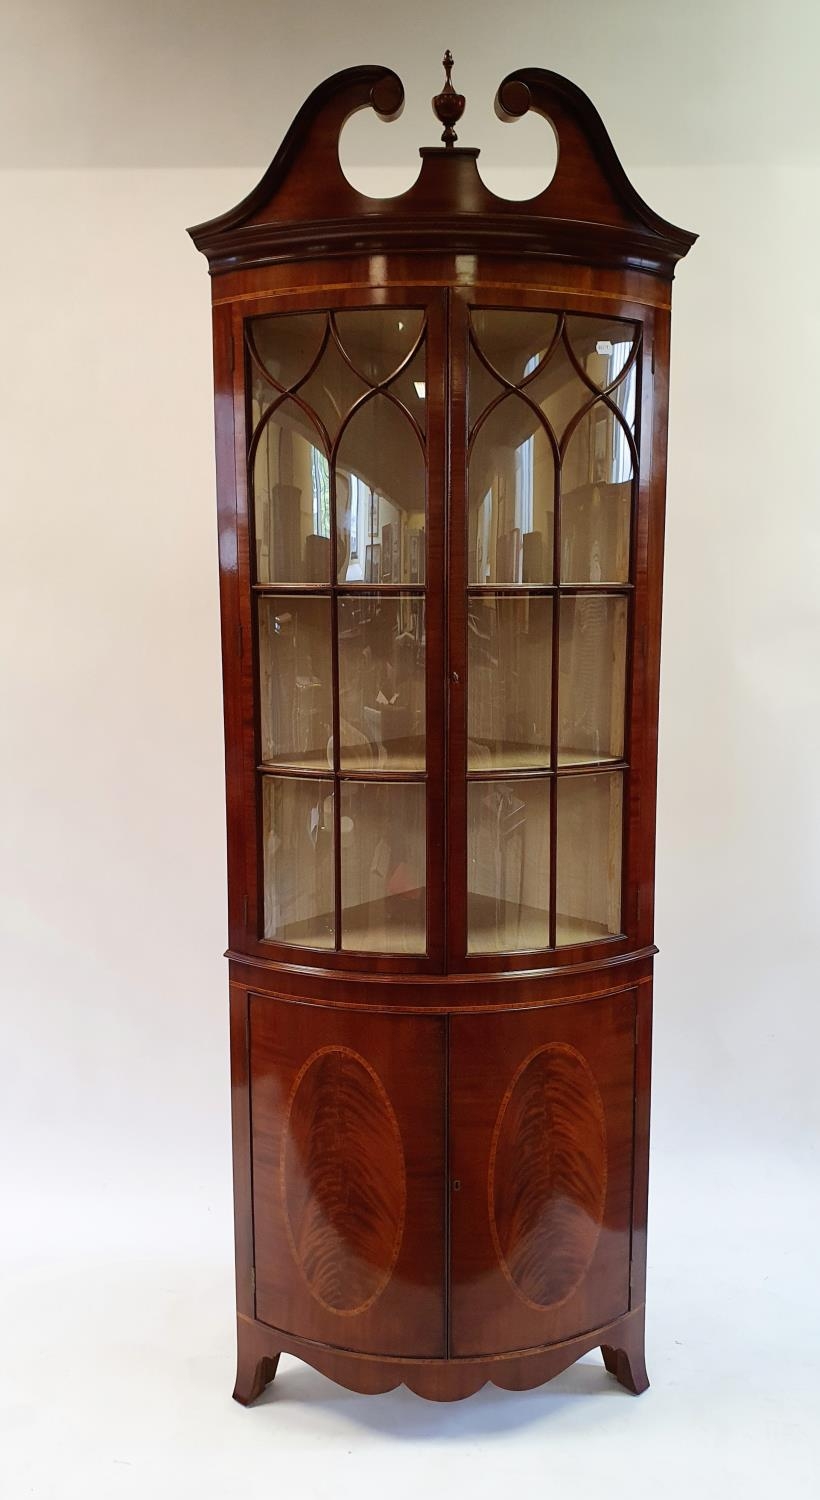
600, 449
373, 562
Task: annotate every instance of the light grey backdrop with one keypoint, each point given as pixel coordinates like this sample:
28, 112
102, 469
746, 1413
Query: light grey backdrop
119, 125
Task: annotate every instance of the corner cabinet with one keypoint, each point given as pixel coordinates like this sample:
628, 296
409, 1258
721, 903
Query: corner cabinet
440, 432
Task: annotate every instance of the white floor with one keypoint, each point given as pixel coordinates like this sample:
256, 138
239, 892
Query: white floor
118, 1363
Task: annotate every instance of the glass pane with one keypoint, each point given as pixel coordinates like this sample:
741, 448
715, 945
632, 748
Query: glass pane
590, 817
602, 347
520, 347
508, 865
591, 679
297, 839
509, 646
482, 388
383, 866
596, 495
559, 390
380, 498
291, 487
332, 389
295, 680
378, 340
511, 498
381, 683
411, 388
514, 343
286, 346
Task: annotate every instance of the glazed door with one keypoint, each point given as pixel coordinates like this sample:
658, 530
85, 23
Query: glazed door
544, 502
386, 700
343, 458
541, 1148
347, 1111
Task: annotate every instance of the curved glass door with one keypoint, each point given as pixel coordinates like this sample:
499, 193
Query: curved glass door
346, 447
551, 466
337, 417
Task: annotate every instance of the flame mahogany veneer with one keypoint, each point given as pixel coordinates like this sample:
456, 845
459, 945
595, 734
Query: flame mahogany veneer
441, 1158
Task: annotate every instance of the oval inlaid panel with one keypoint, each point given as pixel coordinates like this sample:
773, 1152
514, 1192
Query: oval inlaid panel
343, 1180
548, 1174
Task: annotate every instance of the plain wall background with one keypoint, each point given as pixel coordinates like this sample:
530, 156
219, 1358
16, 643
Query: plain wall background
122, 124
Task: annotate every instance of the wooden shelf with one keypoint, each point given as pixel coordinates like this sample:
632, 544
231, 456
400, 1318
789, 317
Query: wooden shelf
389, 926
505, 926
509, 758
524, 928
526, 758
362, 934
579, 930
354, 759
571, 757
529, 926
293, 764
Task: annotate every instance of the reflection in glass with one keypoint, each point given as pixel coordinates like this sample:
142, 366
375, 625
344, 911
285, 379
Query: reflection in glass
602, 347
591, 678
297, 844
520, 346
411, 388
383, 866
508, 865
514, 343
559, 390
590, 819
509, 645
511, 498
625, 397
596, 495
332, 389
286, 346
377, 341
380, 498
295, 680
291, 487
381, 683
482, 388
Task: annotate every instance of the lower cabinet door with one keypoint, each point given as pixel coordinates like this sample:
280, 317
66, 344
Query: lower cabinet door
347, 1121
541, 1148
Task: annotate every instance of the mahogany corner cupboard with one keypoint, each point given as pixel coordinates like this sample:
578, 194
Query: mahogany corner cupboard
440, 439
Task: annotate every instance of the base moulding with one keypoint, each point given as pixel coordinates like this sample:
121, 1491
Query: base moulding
259, 1347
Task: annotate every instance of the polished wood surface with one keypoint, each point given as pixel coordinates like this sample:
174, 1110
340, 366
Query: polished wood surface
620, 1342
305, 207
348, 1175
441, 1158
541, 1147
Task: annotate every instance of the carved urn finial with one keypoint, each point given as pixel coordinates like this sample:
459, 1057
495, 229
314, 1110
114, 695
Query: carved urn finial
448, 106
